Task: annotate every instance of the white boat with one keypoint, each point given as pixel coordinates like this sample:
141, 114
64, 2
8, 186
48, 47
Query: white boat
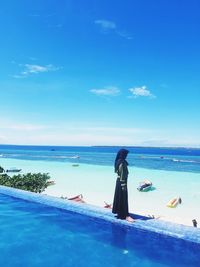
145, 186
75, 157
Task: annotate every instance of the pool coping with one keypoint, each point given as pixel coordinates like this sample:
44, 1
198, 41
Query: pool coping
179, 231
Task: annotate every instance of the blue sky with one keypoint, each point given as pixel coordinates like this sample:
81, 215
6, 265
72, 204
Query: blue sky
104, 72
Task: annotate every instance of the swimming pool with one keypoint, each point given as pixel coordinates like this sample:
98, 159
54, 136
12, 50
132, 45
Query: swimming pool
34, 234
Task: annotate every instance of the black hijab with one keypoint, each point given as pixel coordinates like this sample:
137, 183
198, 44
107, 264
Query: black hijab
121, 157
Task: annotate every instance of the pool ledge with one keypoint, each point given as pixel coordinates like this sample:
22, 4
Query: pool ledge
187, 233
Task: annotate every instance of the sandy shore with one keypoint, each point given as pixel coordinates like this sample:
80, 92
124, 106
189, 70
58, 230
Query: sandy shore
96, 184
157, 214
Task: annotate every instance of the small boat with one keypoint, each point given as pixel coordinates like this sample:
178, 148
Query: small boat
78, 198
107, 205
144, 186
51, 182
75, 157
13, 170
75, 165
176, 160
174, 202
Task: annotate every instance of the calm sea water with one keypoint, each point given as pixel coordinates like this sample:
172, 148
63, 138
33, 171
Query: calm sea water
171, 159
37, 235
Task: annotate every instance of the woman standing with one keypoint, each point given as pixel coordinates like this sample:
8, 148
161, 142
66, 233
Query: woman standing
120, 203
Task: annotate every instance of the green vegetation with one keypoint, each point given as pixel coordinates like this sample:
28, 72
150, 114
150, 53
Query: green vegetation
34, 182
1, 169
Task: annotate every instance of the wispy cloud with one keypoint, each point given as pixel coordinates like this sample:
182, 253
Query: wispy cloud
29, 69
112, 130
23, 127
34, 15
107, 91
124, 35
141, 91
107, 26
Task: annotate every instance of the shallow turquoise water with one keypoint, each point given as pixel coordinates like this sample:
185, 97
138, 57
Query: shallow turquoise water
36, 235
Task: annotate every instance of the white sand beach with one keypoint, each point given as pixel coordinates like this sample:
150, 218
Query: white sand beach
96, 184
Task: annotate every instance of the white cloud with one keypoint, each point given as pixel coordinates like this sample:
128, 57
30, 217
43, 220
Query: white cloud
124, 35
38, 68
141, 91
108, 91
10, 125
30, 69
106, 24
35, 69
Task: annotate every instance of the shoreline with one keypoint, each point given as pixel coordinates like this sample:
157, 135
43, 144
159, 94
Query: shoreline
96, 183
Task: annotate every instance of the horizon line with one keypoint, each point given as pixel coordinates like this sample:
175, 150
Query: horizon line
127, 146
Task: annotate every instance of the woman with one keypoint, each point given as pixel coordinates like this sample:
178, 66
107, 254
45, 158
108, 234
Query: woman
120, 203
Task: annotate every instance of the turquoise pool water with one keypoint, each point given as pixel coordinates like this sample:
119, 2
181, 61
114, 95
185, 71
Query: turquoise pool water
33, 234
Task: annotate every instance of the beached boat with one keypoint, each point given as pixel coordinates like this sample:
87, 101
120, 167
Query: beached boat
107, 205
174, 202
51, 182
145, 186
13, 170
78, 198
75, 165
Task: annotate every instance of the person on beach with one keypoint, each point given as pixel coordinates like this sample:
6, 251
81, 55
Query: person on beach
120, 203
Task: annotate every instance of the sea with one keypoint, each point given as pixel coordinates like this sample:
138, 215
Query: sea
174, 172
159, 158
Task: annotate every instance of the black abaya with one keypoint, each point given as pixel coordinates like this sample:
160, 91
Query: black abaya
120, 203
